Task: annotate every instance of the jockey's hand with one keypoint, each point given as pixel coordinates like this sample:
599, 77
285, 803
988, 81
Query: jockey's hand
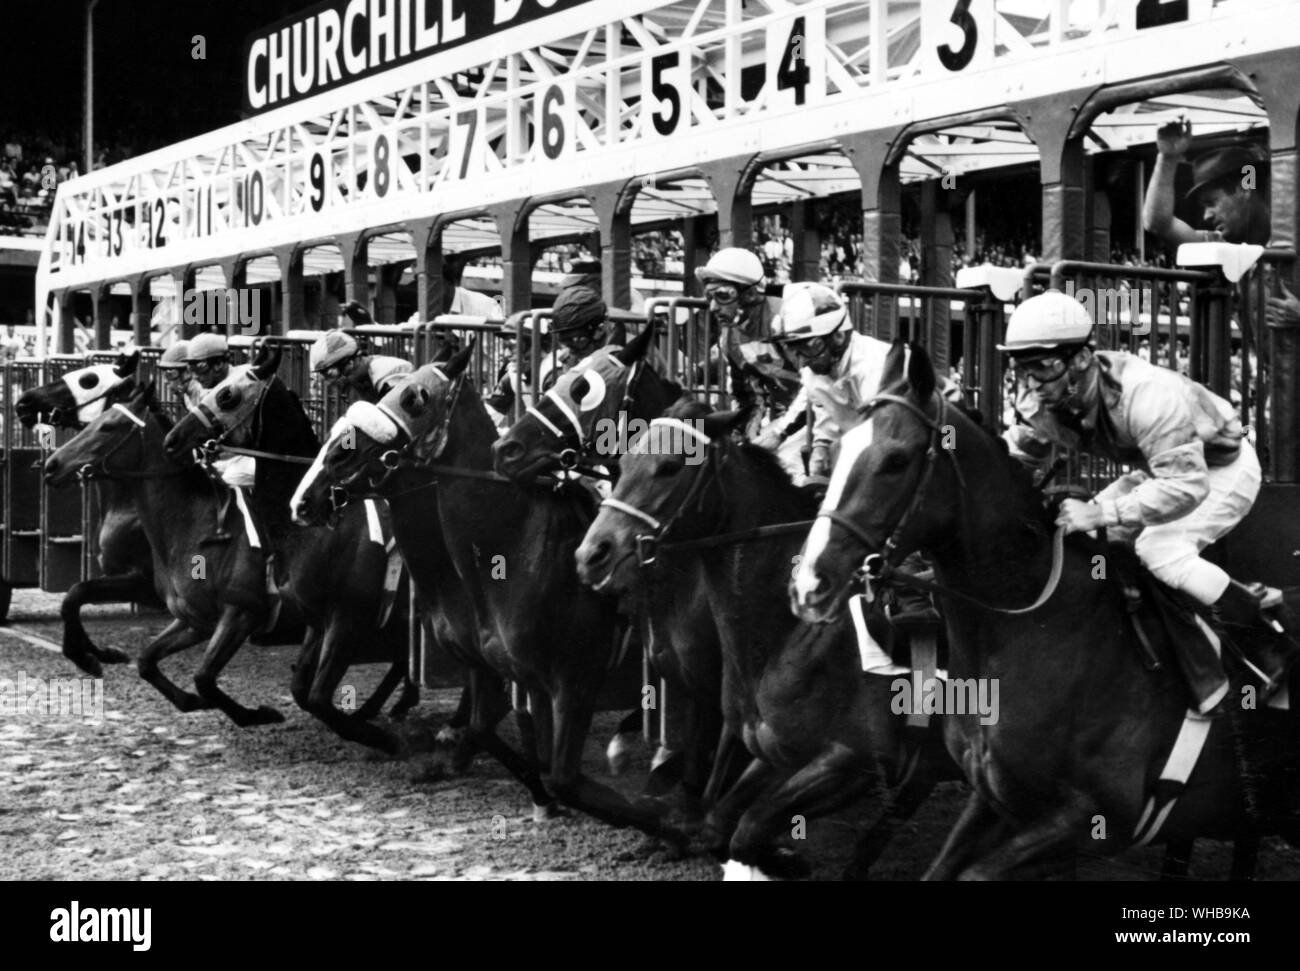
1283, 312
1080, 517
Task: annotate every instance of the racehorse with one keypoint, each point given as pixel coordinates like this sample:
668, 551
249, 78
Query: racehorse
333, 578
427, 449
70, 402
215, 595
1084, 725
583, 420
820, 734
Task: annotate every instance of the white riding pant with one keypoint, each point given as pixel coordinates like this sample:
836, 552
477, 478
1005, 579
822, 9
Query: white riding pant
1172, 551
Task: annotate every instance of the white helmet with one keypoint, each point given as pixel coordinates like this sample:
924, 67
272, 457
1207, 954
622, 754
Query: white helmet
808, 310
173, 359
330, 349
205, 346
732, 265
1046, 322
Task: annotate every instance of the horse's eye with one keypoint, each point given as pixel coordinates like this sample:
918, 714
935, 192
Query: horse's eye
894, 463
227, 399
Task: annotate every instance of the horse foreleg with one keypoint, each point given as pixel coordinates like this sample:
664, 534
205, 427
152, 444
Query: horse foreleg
335, 656
1045, 843
304, 669
373, 705
720, 824
408, 699
729, 762
234, 627
977, 824
77, 645
571, 787
486, 710
177, 637
916, 787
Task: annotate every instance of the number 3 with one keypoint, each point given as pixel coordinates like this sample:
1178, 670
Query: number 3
956, 60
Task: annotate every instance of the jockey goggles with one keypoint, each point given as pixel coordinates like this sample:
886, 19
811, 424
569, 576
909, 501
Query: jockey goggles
1043, 370
203, 367
337, 369
723, 293
810, 348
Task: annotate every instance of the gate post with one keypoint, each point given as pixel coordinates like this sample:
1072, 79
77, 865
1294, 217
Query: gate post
936, 271
426, 238
732, 193
103, 316
356, 270
516, 255
141, 311
805, 262
66, 343
1047, 121
882, 222
610, 202
291, 291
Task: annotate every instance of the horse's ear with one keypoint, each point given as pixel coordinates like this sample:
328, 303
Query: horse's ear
126, 364
894, 364
267, 361
459, 361
722, 423
636, 350
920, 373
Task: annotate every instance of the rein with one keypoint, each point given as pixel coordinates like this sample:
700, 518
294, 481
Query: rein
877, 566
101, 470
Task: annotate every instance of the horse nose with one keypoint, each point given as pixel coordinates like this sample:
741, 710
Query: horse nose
507, 452
592, 556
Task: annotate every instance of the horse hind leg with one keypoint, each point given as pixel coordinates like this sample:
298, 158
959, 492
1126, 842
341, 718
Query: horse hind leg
1050, 840
77, 645
485, 691
907, 798
408, 699
234, 627
177, 637
373, 705
333, 667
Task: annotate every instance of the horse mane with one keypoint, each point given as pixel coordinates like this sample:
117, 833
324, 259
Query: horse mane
148, 394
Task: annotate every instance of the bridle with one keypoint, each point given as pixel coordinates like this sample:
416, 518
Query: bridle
648, 544
213, 447
879, 566
574, 457
876, 563
100, 469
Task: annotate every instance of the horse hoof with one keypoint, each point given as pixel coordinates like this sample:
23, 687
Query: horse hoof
88, 663
779, 863
448, 735
619, 753
111, 655
545, 812
733, 870
266, 715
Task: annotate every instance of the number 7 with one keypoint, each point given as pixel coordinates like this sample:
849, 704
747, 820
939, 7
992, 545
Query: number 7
470, 120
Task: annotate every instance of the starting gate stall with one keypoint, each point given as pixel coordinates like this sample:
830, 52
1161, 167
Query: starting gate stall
686, 338
20, 528
938, 318
61, 523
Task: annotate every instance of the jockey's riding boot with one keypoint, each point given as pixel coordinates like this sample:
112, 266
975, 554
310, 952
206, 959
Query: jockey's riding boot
1203, 671
912, 608
1265, 641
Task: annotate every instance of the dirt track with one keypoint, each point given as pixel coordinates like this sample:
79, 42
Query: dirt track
153, 794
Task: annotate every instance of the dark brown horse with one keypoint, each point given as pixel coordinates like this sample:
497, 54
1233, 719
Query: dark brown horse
819, 734
584, 420
1084, 726
521, 611
332, 578
214, 591
76, 398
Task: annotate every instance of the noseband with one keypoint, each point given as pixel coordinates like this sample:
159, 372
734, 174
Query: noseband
574, 458
100, 469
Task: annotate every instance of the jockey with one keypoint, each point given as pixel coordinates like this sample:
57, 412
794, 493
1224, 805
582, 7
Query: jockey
208, 358
513, 379
1195, 475
580, 323
840, 371
337, 357
176, 373
734, 286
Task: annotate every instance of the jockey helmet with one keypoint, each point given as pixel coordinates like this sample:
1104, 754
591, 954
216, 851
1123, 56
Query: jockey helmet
173, 359
206, 346
330, 349
1048, 322
808, 310
732, 265
576, 308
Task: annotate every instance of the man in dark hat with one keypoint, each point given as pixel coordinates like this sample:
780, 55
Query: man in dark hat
580, 325
1229, 191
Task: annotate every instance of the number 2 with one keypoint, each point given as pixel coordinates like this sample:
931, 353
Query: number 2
956, 60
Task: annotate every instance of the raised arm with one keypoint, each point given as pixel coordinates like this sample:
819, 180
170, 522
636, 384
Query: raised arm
1172, 140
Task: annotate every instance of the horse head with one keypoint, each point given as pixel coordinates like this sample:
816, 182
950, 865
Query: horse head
119, 441
79, 396
584, 414
227, 412
670, 488
896, 487
372, 441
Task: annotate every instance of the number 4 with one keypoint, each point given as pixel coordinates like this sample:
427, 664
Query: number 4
793, 72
